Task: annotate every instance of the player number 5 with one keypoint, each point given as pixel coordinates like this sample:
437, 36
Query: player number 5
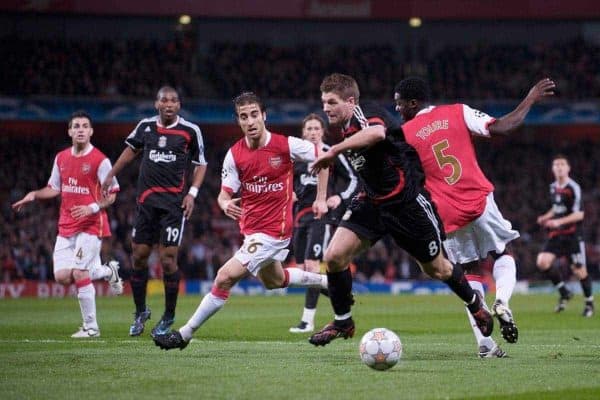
446, 159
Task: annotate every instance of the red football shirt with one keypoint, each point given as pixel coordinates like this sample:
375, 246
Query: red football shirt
78, 179
442, 137
264, 178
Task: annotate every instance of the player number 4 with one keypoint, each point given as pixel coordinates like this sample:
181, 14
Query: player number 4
444, 159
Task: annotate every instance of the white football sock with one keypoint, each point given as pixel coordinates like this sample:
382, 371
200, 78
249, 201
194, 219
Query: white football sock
100, 272
479, 338
300, 278
505, 275
308, 315
209, 305
87, 304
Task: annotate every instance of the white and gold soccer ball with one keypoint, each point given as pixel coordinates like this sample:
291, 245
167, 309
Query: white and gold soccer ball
380, 349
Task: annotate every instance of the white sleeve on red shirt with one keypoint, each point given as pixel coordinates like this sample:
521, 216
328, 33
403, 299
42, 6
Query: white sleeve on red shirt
477, 121
230, 180
54, 181
301, 149
103, 170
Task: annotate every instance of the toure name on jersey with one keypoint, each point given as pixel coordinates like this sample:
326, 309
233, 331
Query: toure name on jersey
261, 185
428, 130
159, 156
73, 187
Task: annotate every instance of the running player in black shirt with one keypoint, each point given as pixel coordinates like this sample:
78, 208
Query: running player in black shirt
168, 144
563, 222
394, 202
311, 235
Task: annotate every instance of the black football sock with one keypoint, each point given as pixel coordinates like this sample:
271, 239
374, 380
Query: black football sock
171, 283
553, 274
459, 285
586, 286
312, 297
139, 282
340, 291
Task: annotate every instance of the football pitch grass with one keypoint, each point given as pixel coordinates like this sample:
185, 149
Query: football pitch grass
246, 352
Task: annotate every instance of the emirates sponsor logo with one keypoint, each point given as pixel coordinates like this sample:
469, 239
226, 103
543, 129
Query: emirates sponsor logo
72, 187
260, 184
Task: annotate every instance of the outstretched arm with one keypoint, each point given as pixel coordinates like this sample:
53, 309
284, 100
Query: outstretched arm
512, 120
125, 158
363, 138
40, 194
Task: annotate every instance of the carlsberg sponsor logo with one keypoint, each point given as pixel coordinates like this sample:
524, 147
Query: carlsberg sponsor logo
159, 156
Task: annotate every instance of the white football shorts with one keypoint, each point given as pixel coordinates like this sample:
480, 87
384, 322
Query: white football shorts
259, 250
489, 232
81, 251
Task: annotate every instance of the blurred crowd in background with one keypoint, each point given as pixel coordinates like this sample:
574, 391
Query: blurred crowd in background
132, 68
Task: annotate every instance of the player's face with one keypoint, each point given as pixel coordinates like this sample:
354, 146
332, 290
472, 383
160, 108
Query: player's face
338, 110
313, 131
405, 108
252, 120
81, 131
560, 168
167, 104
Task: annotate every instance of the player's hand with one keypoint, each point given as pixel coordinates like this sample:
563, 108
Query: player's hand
543, 88
319, 208
552, 223
78, 212
323, 161
334, 201
541, 220
29, 197
105, 188
188, 206
232, 208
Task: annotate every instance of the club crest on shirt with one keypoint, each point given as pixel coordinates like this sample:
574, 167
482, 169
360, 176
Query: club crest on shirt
86, 168
162, 141
275, 161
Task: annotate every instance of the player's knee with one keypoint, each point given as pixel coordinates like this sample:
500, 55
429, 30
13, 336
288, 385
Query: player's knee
223, 281
439, 268
335, 261
140, 261
169, 263
543, 262
64, 277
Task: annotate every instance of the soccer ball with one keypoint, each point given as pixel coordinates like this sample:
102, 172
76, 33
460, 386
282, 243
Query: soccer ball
380, 349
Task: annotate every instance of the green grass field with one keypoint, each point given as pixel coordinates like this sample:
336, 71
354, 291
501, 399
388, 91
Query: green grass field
246, 352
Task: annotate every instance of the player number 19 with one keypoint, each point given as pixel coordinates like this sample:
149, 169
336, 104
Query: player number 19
447, 159
172, 234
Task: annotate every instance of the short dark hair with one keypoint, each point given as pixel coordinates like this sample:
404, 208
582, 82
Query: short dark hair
413, 88
561, 156
344, 86
316, 117
247, 98
80, 114
166, 88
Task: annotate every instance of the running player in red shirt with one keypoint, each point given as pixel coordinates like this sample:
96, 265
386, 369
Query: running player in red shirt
76, 176
565, 237
475, 228
394, 202
260, 168
168, 144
